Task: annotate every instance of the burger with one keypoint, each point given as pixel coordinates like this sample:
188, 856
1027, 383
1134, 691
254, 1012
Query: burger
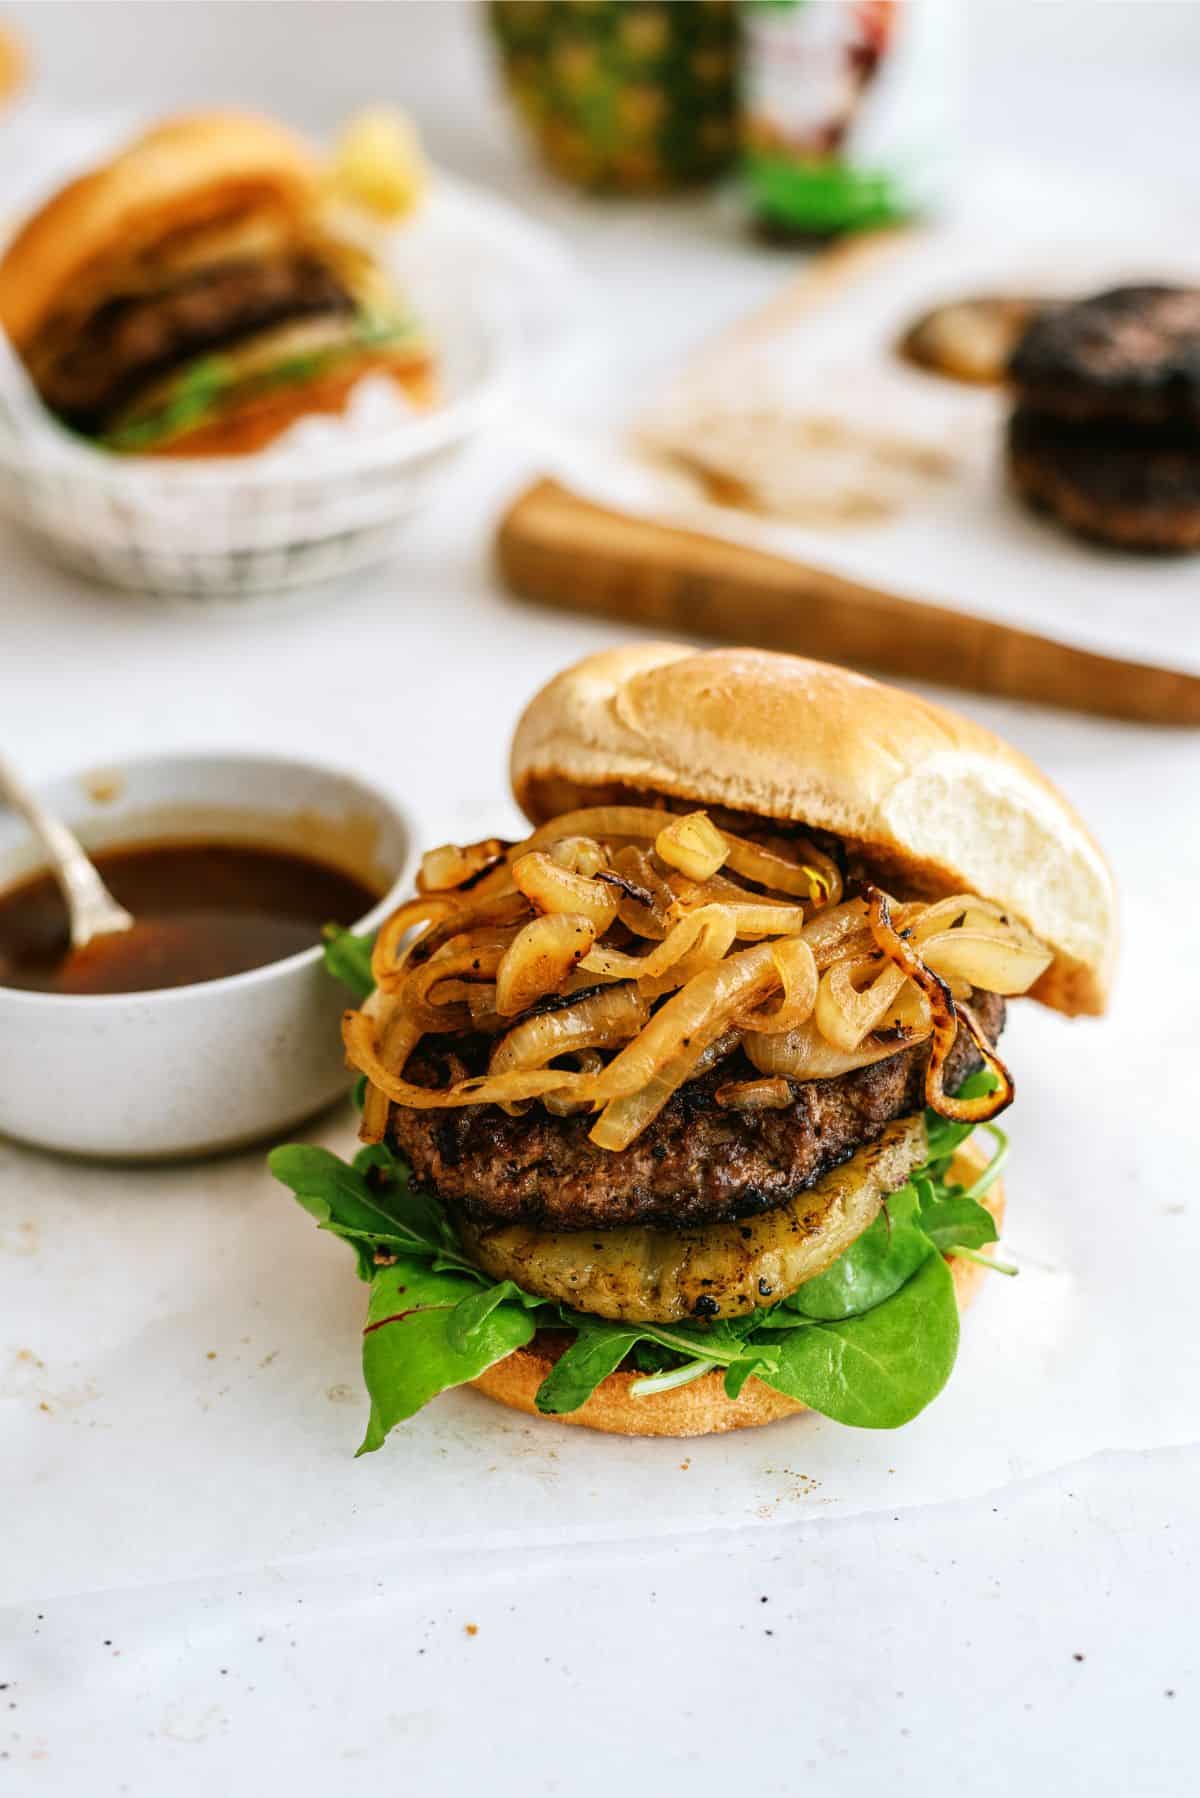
192, 298
668, 1108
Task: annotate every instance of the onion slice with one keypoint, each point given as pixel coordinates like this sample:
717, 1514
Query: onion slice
549, 887
803, 1053
798, 971
362, 1052
598, 1021
944, 1024
755, 1095
540, 958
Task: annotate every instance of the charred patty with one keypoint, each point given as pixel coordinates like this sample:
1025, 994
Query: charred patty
696, 1163
1131, 355
1132, 488
129, 341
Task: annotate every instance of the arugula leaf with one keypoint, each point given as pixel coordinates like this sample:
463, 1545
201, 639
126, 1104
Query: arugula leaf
348, 959
472, 1312
598, 1350
368, 1213
872, 1268
951, 1219
876, 1371
738, 1372
409, 1354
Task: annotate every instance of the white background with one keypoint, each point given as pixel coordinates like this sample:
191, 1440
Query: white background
927, 1649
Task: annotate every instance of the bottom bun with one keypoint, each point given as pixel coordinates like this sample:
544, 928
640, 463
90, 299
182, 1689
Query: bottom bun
700, 1408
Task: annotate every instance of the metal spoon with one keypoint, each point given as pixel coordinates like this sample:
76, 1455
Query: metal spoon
90, 906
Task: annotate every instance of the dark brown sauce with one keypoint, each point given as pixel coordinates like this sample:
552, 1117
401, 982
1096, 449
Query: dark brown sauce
203, 910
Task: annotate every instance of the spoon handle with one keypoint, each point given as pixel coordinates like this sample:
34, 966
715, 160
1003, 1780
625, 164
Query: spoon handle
90, 906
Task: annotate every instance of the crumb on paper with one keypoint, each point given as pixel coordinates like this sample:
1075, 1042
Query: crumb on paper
103, 786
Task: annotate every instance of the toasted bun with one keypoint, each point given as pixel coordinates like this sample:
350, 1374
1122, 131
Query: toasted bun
927, 795
700, 1408
184, 174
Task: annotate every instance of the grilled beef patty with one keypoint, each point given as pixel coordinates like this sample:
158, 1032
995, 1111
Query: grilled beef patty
1131, 355
1130, 487
696, 1163
128, 342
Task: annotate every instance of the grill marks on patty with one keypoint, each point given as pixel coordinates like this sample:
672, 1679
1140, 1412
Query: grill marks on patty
696, 1163
131, 340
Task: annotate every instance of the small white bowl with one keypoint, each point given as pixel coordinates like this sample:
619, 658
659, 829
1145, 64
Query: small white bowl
193, 1069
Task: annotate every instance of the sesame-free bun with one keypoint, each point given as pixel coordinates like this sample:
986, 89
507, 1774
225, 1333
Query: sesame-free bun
927, 796
701, 1408
186, 174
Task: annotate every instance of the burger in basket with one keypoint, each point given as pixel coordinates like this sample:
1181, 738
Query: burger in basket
194, 297
669, 1107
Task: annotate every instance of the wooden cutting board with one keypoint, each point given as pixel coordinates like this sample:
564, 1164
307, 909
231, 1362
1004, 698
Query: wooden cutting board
560, 550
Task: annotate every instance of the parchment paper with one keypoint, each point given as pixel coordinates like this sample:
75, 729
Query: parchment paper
181, 1382
964, 543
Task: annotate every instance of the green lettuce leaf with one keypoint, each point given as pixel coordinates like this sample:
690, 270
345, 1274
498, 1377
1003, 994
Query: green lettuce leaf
877, 1370
598, 1350
411, 1351
348, 959
874, 1267
203, 389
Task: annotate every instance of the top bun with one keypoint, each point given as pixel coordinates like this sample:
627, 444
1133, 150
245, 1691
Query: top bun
923, 793
186, 173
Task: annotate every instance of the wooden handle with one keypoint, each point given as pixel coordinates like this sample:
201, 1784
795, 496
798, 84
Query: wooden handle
563, 551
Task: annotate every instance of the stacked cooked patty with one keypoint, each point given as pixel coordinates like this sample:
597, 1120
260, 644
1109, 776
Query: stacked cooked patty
695, 1163
1106, 430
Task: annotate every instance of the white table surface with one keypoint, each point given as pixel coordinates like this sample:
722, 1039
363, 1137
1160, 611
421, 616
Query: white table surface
1040, 1636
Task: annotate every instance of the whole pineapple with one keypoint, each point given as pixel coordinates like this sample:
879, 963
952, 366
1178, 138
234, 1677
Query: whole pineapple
624, 96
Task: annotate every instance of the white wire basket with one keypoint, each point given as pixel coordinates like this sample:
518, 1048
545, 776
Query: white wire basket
237, 527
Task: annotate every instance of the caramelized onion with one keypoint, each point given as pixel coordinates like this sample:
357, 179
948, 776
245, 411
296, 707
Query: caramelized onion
638, 1083
598, 1021
494, 911
539, 959
853, 999
387, 956
822, 885
579, 855
985, 958
988, 1105
461, 959
362, 1050
803, 1053
798, 972
708, 932
451, 866
733, 940
647, 904
693, 844
944, 1023
550, 887
755, 1095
